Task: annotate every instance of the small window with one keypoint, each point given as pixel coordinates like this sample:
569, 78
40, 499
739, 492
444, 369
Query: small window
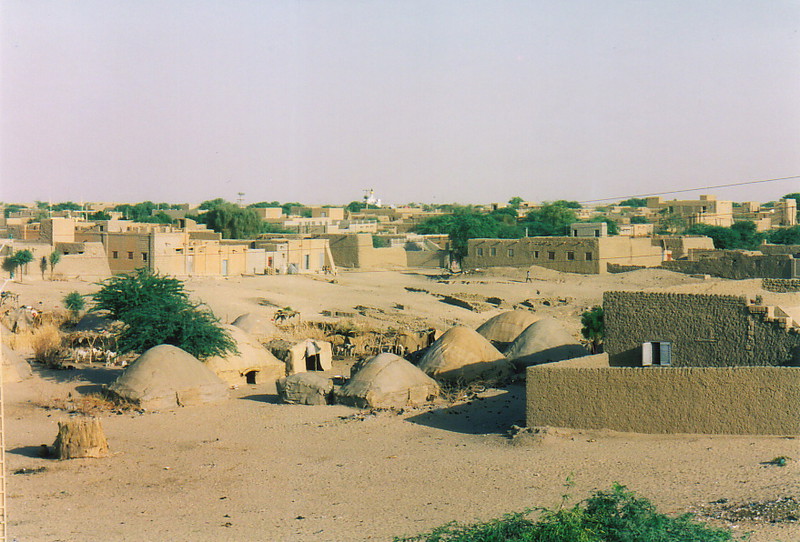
114, 254
130, 255
308, 261
480, 252
551, 255
588, 256
494, 251
510, 252
570, 255
144, 256
536, 254
597, 233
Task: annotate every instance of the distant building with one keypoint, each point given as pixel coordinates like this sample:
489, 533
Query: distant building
706, 210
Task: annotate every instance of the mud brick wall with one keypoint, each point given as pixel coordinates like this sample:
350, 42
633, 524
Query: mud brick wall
781, 285
735, 266
705, 330
730, 400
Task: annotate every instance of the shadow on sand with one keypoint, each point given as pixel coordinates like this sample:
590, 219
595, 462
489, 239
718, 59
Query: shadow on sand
494, 414
38, 452
271, 398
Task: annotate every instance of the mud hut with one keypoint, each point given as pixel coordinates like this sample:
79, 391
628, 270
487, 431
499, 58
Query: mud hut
14, 366
309, 355
543, 342
253, 364
501, 330
254, 324
463, 355
386, 381
167, 377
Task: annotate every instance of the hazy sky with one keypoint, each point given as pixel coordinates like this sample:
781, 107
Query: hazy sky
434, 101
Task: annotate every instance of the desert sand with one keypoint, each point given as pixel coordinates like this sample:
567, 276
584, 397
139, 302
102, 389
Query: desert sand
253, 469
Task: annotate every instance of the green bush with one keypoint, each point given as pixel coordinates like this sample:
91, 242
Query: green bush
617, 515
156, 310
74, 302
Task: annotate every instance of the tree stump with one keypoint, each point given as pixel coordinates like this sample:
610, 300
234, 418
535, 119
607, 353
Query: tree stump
80, 437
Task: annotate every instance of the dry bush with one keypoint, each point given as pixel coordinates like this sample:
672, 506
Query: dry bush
88, 404
294, 332
456, 392
38, 339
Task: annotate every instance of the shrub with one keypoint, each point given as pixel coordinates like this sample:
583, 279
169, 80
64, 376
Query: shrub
617, 515
74, 303
156, 310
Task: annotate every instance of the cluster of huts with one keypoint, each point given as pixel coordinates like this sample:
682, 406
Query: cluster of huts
166, 377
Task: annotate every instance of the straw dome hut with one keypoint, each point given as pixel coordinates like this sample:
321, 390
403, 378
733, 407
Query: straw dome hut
386, 381
462, 354
542, 342
167, 377
505, 327
254, 324
15, 367
254, 364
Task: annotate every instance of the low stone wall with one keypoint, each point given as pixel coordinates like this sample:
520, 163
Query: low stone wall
616, 268
718, 400
781, 286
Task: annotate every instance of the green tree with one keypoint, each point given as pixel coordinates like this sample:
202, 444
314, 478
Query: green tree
785, 236
265, 205
551, 219
465, 224
66, 206
158, 218
742, 235
21, 259
12, 208
54, 258
638, 219
613, 228
100, 215
75, 303
10, 265
233, 222
594, 328
212, 204
633, 202
156, 309
515, 202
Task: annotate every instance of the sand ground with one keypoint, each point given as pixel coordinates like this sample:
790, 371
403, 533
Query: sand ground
253, 469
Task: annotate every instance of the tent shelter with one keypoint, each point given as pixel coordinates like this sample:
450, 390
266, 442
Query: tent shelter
167, 377
309, 355
505, 327
254, 364
15, 367
385, 381
461, 354
254, 324
542, 342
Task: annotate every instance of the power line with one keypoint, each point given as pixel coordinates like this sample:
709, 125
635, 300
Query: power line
727, 185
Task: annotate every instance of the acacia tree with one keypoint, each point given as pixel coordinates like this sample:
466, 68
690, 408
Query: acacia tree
19, 260
156, 310
233, 222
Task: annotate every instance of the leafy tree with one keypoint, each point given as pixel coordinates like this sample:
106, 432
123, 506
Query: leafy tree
66, 206
785, 236
156, 310
158, 218
137, 212
356, 206
551, 219
75, 303
21, 259
638, 219
594, 328
265, 205
43, 265
465, 224
634, 202
742, 235
54, 258
271, 227
212, 204
10, 265
613, 228
100, 215
515, 202
233, 222
287, 207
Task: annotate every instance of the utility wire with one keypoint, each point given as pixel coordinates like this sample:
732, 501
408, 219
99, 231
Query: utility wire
727, 185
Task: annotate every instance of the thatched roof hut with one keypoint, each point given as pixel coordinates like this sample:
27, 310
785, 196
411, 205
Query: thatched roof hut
386, 381
463, 355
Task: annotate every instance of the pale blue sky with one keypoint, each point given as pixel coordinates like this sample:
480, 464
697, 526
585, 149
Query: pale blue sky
433, 101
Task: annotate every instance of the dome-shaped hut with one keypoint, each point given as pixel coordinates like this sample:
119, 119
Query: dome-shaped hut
385, 381
253, 364
463, 355
167, 377
542, 342
505, 327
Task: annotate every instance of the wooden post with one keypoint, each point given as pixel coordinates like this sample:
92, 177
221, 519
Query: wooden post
80, 437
